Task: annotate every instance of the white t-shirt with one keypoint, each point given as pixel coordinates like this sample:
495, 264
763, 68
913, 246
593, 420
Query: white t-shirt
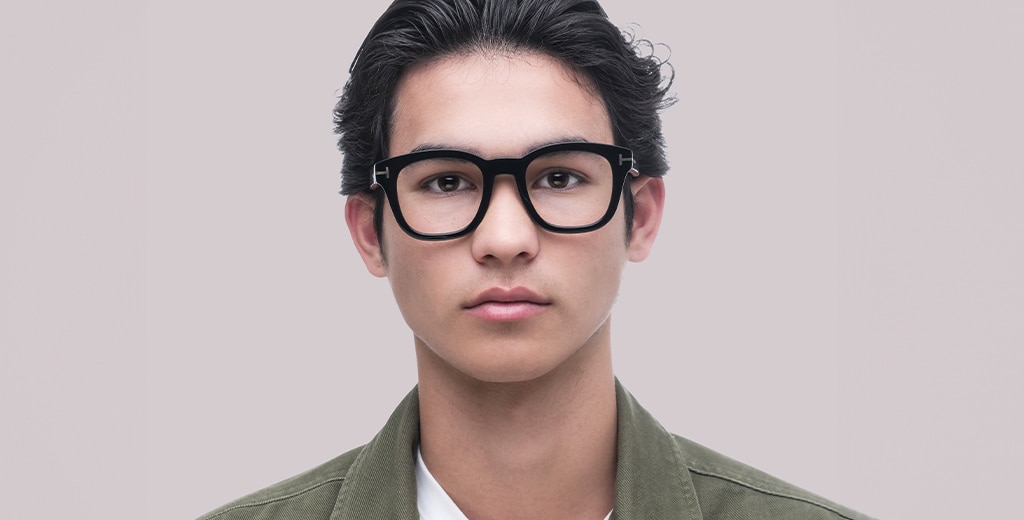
432, 500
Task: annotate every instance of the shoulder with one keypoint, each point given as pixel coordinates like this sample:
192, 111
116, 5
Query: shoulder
726, 488
311, 495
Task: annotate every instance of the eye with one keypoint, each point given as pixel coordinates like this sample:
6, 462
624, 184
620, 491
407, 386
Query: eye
447, 183
558, 180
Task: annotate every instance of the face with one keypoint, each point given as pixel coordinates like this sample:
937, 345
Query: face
510, 301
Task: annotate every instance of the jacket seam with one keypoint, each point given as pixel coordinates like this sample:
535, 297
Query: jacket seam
771, 492
275, 499
691, 497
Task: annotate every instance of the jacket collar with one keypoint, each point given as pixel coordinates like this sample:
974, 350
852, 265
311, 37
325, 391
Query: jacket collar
651, 477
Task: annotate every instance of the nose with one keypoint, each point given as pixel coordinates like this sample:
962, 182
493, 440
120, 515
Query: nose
507, 234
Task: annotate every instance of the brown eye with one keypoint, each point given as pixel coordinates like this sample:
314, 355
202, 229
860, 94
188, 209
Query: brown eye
448, 183
558, 180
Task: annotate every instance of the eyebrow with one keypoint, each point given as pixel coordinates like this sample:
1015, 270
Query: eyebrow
428, 146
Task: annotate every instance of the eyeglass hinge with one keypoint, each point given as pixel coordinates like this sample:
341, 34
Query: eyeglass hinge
623, 159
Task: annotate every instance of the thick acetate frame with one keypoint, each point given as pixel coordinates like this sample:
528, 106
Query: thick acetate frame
621, 160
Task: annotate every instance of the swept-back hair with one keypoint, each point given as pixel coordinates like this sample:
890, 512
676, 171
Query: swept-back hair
622, 69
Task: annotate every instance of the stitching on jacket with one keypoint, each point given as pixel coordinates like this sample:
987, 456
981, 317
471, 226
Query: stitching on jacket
691, 498
357, 462
770, 492
276, 499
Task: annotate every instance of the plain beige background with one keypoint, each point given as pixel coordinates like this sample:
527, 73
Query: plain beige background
836, 296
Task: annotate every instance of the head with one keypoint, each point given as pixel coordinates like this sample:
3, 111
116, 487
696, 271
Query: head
501, 79
621, 70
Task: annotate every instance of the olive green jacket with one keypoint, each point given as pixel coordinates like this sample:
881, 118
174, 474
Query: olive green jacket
660, 476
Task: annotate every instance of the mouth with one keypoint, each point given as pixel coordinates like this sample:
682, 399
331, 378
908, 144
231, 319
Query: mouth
501, 304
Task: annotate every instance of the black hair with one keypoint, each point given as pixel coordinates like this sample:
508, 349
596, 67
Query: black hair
623, 70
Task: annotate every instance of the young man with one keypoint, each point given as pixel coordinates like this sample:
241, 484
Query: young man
503, 161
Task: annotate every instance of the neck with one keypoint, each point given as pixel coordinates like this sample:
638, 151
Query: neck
543, 448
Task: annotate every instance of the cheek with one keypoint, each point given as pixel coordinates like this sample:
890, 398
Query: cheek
596, 265
419, 272
613, 242
414, 289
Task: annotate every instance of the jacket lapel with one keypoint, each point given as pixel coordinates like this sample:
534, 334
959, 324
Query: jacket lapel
381, 483
651, 480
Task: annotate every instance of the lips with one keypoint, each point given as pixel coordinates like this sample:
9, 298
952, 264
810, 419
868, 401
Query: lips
501, 304
502, 295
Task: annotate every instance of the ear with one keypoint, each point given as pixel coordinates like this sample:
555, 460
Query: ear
648, 206
359, 216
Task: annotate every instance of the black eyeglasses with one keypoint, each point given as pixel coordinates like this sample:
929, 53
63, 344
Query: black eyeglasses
565, 187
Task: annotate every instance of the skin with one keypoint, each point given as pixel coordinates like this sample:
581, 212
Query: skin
517, 399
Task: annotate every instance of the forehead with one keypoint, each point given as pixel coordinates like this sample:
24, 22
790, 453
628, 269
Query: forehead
495, 105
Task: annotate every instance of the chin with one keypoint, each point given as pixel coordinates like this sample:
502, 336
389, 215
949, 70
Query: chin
506, 367
493, 360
